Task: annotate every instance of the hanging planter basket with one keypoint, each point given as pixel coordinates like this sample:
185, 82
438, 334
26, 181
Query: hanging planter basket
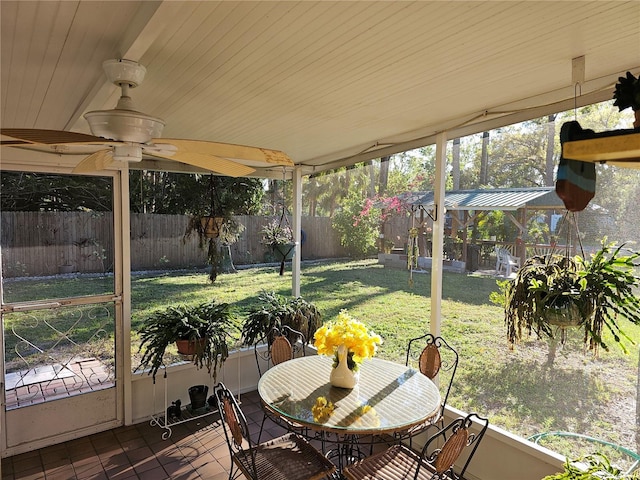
284, 251
568, 315
211, 226
279, 236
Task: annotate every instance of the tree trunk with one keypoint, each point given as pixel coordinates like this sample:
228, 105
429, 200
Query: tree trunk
383, 180
484, 160
372, 180
455, 173
226, 260
549, 164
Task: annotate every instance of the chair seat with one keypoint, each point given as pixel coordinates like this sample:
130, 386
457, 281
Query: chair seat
288, 457
436, 459
395, 463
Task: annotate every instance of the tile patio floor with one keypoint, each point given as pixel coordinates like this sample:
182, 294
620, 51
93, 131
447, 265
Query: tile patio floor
195, 450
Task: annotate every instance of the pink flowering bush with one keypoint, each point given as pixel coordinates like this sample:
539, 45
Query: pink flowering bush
359, 222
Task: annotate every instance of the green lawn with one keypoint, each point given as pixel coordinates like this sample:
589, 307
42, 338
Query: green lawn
519, 390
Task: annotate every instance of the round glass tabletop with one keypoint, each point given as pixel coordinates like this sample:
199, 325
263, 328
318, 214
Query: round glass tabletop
389, 396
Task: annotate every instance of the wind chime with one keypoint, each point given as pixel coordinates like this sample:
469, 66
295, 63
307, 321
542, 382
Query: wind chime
412, 249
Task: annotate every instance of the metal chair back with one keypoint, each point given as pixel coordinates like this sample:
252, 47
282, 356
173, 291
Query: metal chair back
445, 447
236, 429
288, 457
446, 455
283, 344
434, 356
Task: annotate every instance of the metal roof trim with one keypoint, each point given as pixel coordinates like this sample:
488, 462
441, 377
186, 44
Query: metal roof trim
490, 199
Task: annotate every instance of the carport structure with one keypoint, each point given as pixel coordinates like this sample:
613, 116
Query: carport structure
517, 203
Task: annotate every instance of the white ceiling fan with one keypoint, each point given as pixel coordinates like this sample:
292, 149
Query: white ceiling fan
124, 134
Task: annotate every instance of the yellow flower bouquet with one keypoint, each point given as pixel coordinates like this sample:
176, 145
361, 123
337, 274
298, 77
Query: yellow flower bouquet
353, 334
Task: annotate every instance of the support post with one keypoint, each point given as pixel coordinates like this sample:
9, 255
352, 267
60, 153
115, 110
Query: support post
438, 233
297, 229
122, 230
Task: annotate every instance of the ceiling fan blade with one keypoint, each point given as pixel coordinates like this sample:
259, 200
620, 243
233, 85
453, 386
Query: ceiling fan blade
212, 163
49, 137
263, 156
96, 161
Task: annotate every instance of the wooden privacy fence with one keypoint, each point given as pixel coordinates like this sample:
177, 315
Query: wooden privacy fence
48, 243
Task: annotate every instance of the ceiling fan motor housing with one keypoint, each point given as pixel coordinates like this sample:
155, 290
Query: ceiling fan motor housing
124, 72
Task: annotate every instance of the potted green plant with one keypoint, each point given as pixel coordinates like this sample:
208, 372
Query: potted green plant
212, 208
273, 310
592, 467
627, 94
204, 330
557, 291
279, 237
211, 225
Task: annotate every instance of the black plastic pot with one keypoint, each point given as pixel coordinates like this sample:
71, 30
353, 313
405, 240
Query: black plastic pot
198, 396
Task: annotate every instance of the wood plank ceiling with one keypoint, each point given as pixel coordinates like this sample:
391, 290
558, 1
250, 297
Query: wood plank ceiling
327, 82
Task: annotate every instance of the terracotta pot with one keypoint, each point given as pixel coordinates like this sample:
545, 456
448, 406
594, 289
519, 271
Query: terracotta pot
211, 226
188, 347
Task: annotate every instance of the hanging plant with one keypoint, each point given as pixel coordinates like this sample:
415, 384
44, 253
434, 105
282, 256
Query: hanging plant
627, 94
211, 226
554, 292
221, 198
278, 235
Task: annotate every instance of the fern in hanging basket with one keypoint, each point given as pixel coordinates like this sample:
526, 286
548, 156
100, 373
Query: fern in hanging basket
275, 233
279, 237
554, 291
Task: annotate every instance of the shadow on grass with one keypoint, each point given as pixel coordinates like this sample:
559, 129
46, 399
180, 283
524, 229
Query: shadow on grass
564, 398
335, 277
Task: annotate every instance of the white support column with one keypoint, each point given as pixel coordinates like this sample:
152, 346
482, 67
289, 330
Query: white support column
297, 228
123, 286
438, 233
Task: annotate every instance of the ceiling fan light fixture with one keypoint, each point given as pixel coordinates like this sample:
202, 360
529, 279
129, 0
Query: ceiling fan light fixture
127, 153
124, 125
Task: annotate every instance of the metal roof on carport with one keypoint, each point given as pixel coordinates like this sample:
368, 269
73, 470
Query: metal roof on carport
490, 199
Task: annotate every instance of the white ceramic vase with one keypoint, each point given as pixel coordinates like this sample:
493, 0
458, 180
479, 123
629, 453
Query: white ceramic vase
341, 376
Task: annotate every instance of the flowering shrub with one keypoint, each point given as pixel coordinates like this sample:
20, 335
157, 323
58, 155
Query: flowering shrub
349, 332
381, 208
359, 220
357, 236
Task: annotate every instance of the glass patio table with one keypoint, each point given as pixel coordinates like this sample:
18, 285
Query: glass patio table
389, 398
